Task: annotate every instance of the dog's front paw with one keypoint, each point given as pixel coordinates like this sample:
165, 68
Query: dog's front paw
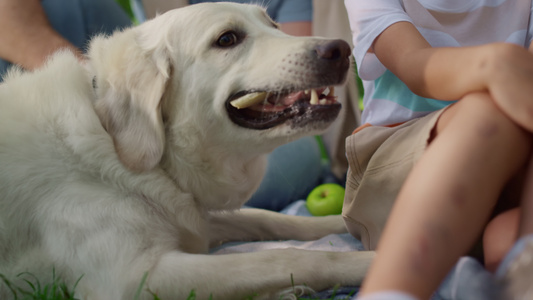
336, 224
295, 292
319, 227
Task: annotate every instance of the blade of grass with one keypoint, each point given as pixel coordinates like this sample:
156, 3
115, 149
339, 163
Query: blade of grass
141, 285
192, 295
9, 286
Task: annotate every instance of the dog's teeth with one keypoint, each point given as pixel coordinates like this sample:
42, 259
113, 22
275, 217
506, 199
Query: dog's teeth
306, 92
249, 100
314, 97
323, 101
331, 92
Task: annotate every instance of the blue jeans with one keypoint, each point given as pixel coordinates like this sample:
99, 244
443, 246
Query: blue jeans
293, 170
79, 20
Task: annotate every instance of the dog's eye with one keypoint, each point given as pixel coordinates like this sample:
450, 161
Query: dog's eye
227, 39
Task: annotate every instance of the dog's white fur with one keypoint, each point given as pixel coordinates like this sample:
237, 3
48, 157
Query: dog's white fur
142, 172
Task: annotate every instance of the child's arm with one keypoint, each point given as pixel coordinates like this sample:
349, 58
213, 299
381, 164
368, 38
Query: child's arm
505, 71
26, 36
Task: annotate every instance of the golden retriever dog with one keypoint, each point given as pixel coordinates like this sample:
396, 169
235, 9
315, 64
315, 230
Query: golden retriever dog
131, 165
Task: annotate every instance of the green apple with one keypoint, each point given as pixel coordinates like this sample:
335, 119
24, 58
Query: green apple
326, 199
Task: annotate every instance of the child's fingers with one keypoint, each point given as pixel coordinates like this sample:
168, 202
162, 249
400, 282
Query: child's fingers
511, 84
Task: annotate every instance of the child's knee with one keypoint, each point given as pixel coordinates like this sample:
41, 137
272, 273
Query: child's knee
479, 113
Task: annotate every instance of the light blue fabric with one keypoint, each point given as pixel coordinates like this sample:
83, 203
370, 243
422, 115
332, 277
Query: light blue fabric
138, 10
79, 20
390, 87
468, 280
279, 10
517, 249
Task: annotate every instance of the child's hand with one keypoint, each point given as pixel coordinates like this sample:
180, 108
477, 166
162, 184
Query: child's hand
510, 82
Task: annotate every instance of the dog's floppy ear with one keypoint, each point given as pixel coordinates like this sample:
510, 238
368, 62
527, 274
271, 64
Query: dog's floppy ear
130, 83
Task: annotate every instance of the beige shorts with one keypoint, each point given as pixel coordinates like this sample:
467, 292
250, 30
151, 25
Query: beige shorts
380, 158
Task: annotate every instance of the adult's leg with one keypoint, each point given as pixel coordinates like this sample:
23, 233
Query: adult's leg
293, 170
448, 197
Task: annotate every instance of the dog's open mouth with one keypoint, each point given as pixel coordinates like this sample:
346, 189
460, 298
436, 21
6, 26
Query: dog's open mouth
263, 110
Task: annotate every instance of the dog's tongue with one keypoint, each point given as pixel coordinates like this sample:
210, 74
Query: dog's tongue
286, 100
275, 103
264, 101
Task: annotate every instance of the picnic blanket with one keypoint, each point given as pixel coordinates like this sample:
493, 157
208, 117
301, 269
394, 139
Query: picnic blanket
467, 281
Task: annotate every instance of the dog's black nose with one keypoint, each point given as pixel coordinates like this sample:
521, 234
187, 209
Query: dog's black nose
333, 50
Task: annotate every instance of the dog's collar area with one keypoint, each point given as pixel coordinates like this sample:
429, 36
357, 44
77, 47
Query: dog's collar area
263, 110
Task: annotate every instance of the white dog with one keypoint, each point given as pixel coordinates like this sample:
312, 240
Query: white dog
138, 161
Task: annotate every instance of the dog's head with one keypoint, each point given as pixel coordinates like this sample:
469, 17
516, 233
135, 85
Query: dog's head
213, 75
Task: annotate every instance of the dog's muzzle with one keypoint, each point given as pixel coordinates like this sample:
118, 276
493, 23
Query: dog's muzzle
313, 100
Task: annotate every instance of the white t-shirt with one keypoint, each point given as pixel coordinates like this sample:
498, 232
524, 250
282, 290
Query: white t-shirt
443, 23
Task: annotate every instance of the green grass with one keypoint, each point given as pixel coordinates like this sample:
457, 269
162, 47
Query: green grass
360, 88
32, 289
126, 6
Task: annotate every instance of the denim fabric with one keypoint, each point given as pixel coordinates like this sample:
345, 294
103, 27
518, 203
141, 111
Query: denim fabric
280, 10
293, 170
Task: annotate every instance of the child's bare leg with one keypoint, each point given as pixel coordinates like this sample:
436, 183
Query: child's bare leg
448, 197
503, 231
516, 268
499, 237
